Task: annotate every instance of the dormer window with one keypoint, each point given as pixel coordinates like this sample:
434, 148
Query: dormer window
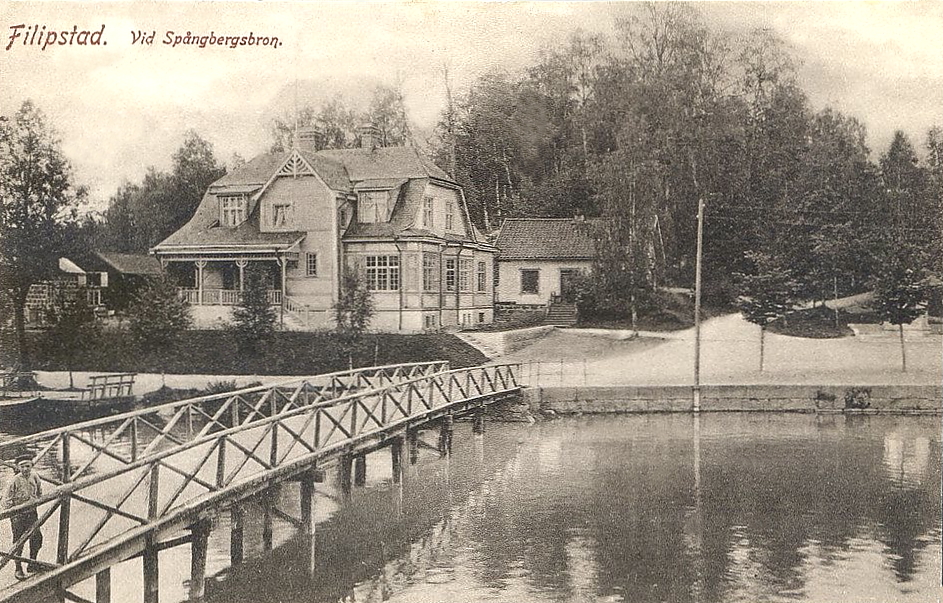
449, 216
232, 210
428, 205
373, 206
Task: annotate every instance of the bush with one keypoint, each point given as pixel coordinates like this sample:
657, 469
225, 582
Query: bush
858, 397
220, 387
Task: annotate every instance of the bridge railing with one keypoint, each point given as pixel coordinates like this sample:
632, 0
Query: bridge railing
126, 437
92, 511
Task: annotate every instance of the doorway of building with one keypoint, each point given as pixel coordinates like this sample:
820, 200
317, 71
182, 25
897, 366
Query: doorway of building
568, 278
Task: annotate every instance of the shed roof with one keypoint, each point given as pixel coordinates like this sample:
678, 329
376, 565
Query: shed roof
546, 239
130, 263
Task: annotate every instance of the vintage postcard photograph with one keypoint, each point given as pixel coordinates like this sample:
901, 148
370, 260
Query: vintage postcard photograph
508, 302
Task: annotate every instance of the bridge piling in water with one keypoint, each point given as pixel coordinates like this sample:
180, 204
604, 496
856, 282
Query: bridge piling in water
308, 480
345, 473
200, 533
412, 437
237, 535
268, 502
478, 423
151, 571
445, 435
360, 469
103, 586
396, 458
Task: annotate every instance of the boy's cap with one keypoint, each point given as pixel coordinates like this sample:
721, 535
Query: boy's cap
24, 457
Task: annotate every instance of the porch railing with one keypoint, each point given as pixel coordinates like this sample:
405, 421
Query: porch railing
223, 297
301, 311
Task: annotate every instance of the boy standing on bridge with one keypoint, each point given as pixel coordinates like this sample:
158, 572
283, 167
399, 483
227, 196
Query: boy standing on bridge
24, 488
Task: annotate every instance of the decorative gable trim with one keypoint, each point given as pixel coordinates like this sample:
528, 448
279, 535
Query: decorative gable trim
295, 165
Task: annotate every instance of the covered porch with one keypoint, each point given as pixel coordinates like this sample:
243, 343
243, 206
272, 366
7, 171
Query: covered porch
216, 275
221, 282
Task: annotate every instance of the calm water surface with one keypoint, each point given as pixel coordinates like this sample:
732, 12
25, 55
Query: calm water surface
724, 507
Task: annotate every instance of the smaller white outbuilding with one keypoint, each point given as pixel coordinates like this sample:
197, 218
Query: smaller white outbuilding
538, 258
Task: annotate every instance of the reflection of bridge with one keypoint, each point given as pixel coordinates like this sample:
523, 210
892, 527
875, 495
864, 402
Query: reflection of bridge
141, 482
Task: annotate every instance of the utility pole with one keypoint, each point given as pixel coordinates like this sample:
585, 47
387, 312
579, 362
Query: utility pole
697, 307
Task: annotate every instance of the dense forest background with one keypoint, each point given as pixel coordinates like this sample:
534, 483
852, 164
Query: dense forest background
637, 129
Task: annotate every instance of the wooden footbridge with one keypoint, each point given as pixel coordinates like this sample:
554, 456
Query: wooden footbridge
141, 482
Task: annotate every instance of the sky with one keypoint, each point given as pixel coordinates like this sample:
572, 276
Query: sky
120, 107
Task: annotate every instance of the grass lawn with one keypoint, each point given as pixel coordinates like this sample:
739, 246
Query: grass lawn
819, 322
215, 352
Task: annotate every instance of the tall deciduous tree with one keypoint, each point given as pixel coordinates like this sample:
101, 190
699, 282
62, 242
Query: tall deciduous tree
141, 215
37, 202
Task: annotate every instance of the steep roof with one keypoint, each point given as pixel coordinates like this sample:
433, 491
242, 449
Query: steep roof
383, 163
260, 169
545, 239
130, 263
203, 230
403, 170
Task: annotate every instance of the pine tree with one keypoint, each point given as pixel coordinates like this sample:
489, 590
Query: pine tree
900, 290
253, 317
158, 317
766, 293
352, 312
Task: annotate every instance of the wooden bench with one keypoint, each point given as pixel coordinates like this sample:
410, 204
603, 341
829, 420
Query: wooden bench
106, 387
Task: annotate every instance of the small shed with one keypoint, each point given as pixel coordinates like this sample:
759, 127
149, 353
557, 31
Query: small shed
125, 273
539, 258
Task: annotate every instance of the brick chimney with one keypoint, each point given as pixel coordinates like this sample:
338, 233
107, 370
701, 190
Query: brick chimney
369, 136
311, 135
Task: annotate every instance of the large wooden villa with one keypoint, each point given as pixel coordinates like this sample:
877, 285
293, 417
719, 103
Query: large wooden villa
307, 214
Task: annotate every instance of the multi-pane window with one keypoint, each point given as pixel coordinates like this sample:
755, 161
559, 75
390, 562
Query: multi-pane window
450, 274
382, 272
530, 279
280, 214
232, 210
464, 274
373, 206
430, 272
427, 213
449, 215
482, 277
311, 264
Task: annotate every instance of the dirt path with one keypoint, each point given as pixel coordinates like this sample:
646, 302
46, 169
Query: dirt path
730, 355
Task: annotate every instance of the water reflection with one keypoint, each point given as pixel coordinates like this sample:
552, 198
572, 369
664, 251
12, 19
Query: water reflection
731, 508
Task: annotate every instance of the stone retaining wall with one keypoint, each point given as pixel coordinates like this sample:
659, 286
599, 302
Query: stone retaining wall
780, 398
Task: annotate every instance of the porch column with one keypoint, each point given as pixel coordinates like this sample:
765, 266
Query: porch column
241, 265
200, 265
283, 263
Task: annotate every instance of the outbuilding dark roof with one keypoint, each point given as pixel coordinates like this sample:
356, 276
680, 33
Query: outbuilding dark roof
129, 263
546, 239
